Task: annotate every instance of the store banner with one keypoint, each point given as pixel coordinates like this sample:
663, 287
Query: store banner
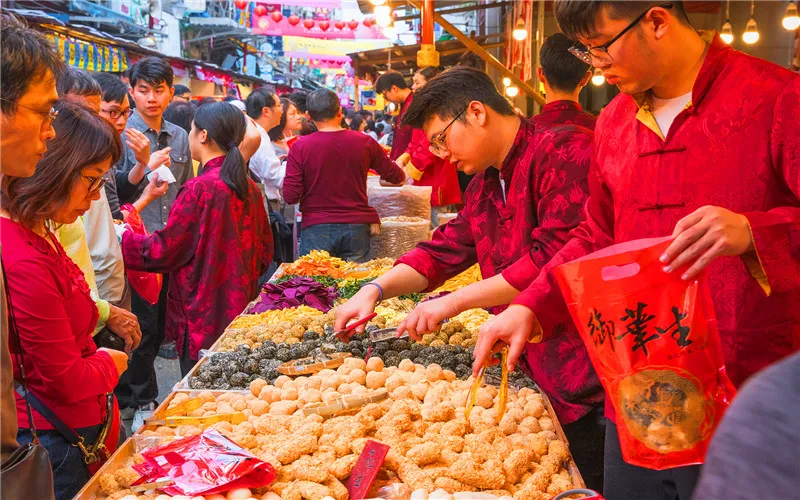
90, 56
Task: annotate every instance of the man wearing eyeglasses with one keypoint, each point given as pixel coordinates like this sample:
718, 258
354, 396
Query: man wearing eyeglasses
527, 194
182, 94
702, 145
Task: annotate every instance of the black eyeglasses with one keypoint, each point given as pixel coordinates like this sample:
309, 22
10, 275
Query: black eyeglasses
95, 183
48, 116
115, 114
600, 54
438, 146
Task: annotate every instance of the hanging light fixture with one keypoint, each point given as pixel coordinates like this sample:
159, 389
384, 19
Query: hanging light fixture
751, 35
506, 81
598, 78
390, 31
520, 31
791, 20
377, 2
726, 33
512, 91
383, 16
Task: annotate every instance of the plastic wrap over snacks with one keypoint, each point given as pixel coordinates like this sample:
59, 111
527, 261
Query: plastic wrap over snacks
411, 201
398, 235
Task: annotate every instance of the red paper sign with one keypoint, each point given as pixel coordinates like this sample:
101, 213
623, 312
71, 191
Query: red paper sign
366, 469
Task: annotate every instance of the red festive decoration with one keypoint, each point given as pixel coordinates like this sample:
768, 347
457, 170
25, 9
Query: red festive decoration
308, 23
277, 17
260, 10
340, 25
263, 23
240, 4
368, 22
352, 24
294, 20
324, 25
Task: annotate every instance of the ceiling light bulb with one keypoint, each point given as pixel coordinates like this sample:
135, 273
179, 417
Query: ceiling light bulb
377, 2
791, 20
382, 11
726, 33
520, 31
598, 78
390, 31
506, 81
751, 35
512, 91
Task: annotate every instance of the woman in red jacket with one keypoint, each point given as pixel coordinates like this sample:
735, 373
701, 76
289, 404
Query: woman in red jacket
50, 301
217, 241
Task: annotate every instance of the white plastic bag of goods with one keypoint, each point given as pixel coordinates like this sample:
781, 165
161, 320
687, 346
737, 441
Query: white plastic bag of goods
447, 217
398, 235
409, 201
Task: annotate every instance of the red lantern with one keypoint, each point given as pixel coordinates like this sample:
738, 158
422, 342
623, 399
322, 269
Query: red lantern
352, 25
260, 10
368, 23
276, 16
340, 25
294, 20
308, 23
240, 4
324, 25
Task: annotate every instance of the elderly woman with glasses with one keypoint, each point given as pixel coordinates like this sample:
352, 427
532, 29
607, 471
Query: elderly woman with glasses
50, 306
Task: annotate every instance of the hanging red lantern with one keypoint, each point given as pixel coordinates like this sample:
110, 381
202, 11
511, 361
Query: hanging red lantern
260, 10
240, 4
368, 22
308, 23
276, 16
294, 20
352, 24
324, 25
263, 23
340, 25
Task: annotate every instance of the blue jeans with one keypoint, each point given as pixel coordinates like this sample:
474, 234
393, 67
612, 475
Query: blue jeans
69, 470
346, 241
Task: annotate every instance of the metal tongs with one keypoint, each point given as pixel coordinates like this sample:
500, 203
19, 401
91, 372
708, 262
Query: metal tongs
478, 382
385, 334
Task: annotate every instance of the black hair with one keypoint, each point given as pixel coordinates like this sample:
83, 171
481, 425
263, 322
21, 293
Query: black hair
181, 114
114, 90
562, 70
206, 100
232, 92
370, 126
76, 81
276, 132
386, 80
428, 72
226, 126
356, 122
577, 17
26, 57
450, 93
365, 113
229, 99
300, 99
323, 104
471, 60
257, 101
182, 89
153, 71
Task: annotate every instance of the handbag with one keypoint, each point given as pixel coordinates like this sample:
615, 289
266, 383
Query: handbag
27, 473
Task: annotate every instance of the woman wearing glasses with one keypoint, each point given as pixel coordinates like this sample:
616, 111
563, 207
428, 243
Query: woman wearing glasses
50, 302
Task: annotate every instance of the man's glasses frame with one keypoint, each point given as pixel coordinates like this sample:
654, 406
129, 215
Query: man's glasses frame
115, 114
438, 146
48, 116
600, 53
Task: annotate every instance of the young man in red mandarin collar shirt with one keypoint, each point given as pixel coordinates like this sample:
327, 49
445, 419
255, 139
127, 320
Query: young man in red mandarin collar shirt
527, 194
702, 144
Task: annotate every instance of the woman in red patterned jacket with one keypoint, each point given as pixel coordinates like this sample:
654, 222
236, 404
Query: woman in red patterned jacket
217, 241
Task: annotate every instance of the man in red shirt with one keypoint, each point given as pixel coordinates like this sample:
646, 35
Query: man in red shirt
326, 172
702, 144
527, 194
563, 77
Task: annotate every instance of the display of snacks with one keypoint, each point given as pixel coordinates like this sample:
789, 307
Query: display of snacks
318, 262
283, 326
268, 318
467, 277
422, 420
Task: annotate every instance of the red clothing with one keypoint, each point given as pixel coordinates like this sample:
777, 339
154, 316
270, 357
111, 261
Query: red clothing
55, 316
562, 113
545, 187
326, 172
215, 246
735, 146
433, 171
402, 133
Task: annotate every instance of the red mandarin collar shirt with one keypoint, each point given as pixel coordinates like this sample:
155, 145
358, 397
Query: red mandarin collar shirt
737, 146
215, 246
564, 112
55, 317
545, 187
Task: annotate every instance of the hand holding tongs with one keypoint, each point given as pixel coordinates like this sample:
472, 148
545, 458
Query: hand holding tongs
342, 334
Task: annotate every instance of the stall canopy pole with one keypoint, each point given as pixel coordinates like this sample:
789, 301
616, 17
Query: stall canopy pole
427, 55
483, 54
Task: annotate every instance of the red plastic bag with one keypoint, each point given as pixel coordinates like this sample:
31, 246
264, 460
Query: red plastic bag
147, 285
203, 464
654, 343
